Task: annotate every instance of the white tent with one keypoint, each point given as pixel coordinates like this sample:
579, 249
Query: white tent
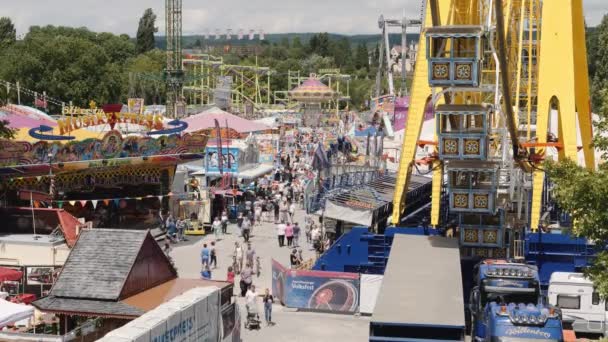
12, 312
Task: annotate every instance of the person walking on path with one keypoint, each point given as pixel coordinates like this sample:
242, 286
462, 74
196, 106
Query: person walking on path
275, 206
238, 254
250, 299
289, 234
294, 260
250, 254
224, 222
292, 211
296, 235
281, 233
246, 279
216, 225
268, 301
315, 236
258, 211
246, 228
205, 254
213, 255
308, 229
283, 209
230, 275
239, 223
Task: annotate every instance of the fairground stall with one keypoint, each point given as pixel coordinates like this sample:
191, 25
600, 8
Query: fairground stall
110, 178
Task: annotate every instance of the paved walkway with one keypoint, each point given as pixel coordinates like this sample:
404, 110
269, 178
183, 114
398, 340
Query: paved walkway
263, 240
291, 325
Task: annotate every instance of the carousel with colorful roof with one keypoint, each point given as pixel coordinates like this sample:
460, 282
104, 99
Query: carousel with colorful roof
316, 100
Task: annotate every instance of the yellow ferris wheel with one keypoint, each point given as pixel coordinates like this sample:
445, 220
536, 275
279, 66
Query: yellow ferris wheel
497, 72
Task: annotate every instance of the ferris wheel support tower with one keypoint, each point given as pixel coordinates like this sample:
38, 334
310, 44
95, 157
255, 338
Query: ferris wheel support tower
490, 75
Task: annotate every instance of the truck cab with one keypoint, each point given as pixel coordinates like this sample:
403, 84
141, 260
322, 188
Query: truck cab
506, 305
580, 303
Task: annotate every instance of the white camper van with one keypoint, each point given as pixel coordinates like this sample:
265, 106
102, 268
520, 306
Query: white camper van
580, 304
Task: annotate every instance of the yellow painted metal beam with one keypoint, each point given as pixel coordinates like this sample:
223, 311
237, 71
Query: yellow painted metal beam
436, 193
562, 26
419, 97
581, 75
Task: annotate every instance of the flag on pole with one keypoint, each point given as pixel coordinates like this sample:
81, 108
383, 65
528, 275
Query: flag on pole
320, 160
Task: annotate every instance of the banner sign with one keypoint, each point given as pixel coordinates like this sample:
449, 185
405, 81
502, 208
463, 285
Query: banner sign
136, 106
318, 290
402, 105
230, 159
79, 118
278, 281
112, 145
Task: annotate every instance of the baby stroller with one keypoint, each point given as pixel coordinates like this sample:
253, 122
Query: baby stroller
253, 318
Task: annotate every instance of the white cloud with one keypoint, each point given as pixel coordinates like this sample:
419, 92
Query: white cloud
273, 16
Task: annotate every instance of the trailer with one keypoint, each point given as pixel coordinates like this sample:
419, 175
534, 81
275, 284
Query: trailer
421, 295
582, 307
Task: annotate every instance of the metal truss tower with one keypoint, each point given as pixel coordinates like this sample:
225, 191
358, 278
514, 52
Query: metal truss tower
174, 73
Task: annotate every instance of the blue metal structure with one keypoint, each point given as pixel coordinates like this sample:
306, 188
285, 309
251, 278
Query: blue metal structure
460, 64
360, 251
557, 252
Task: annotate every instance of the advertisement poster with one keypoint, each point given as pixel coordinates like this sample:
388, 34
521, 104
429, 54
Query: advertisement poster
136, 106
316, 290
229, 156
278, 281
231, 324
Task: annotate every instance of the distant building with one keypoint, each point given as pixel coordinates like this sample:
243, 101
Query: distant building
397, 55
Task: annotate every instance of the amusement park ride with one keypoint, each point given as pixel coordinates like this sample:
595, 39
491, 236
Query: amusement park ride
491, 74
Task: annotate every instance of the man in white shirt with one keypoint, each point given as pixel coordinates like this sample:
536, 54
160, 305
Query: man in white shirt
281, 233
250, 299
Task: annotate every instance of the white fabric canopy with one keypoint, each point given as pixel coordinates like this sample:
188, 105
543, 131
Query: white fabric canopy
12, 312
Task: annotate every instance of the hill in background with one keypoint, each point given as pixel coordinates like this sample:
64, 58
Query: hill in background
368, 39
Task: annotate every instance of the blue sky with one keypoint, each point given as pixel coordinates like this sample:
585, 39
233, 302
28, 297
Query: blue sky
273, 16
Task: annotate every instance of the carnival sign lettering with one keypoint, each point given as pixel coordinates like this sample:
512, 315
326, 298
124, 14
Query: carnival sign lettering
79, 118
519, 331
359, 204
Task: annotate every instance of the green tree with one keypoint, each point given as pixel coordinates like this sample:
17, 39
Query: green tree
8, 34
70, 64
583, 194
342, 53
319, 44
598, 59
145, 31
285, 43
144, 73
297, 43
362, 57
